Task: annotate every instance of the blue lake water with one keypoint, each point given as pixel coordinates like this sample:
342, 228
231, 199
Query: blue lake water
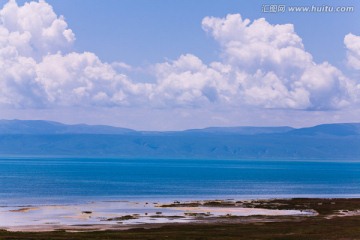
71, 180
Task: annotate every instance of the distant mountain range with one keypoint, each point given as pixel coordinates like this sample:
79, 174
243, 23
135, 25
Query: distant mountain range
49, 127
323, 142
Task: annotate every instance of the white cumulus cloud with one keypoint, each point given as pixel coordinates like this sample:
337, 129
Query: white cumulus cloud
257, 44
261, 65
39, 70
187, 81
352, 43
34, 29
272, 67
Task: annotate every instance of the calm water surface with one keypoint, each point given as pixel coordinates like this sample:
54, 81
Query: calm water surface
71, 180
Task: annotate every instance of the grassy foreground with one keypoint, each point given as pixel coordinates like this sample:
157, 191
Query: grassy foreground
337, 219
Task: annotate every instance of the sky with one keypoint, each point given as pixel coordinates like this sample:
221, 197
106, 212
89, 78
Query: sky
173, 65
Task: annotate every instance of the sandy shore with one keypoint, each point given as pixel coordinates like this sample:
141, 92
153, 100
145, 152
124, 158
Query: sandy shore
121, 215
291, 219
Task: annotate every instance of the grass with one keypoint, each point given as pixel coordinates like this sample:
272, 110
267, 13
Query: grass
337, 228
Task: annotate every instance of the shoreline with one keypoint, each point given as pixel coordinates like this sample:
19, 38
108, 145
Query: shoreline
81, 200
125, 215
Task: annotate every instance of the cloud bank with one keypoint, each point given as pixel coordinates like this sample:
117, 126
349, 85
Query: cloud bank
261, 65
352, 43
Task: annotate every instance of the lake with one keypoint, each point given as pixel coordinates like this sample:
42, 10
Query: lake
31, 180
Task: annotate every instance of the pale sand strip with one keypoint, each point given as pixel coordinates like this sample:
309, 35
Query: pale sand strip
119, 215
236, 211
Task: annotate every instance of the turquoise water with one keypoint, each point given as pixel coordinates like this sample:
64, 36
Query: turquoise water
71, 180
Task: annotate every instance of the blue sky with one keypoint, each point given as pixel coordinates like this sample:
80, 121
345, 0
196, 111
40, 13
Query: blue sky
132, 43
143, 32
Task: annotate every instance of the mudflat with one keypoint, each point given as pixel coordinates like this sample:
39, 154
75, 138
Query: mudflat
329, 219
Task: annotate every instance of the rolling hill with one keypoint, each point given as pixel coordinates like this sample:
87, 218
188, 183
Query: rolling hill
323, 142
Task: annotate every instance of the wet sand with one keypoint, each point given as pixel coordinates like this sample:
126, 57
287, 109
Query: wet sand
120, 215
291, 219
